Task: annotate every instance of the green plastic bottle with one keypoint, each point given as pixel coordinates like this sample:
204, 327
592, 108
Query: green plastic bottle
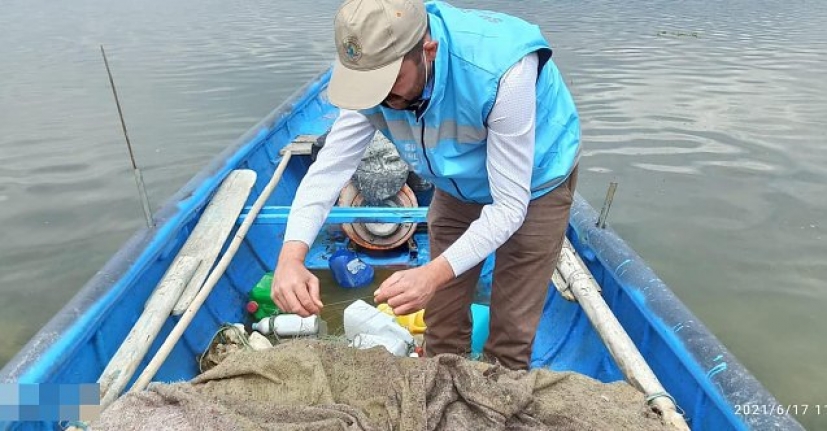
261, 305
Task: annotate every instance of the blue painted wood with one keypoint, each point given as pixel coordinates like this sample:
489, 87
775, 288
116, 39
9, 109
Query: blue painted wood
278, 215
706, 380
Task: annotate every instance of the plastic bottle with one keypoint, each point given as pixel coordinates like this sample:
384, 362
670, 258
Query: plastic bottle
288, 325
261, 305
362, 318
348, 270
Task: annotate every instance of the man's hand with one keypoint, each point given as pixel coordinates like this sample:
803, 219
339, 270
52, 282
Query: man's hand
294, 288
410, 290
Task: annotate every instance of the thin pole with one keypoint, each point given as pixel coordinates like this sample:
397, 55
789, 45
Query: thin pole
139, 179
607, 204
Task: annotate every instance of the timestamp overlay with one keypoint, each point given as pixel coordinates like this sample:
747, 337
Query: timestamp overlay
800, 411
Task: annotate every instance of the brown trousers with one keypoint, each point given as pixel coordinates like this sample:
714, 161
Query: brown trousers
523, 268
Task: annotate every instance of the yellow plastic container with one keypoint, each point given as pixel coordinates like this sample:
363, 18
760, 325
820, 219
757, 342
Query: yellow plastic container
414, 322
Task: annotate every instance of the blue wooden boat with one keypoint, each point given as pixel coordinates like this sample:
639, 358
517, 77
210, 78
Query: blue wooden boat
709, 384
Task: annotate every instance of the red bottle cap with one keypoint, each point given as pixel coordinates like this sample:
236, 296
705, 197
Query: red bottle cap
252, 307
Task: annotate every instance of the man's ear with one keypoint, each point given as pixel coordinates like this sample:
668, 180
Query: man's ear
430, 48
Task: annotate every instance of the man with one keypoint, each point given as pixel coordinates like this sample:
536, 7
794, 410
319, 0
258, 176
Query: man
474, 104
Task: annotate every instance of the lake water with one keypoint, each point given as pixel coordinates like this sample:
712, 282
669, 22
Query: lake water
709, 114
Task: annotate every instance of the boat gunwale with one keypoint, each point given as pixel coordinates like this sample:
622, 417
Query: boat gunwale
668, 316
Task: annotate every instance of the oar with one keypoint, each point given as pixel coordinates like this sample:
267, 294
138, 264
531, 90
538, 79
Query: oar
122, 366
190, 266
186, 318
214, 226
583, 287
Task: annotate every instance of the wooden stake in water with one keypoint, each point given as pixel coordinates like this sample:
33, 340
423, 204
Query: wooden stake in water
604, 212
139, 179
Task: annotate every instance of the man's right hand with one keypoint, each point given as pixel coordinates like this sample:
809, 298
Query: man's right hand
295, 289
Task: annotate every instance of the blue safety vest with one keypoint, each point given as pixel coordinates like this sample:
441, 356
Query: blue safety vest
446, 144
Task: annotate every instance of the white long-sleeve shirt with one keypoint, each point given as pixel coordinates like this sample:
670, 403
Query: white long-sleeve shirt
510, 157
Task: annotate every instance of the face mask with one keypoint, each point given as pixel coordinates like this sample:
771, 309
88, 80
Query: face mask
426, 90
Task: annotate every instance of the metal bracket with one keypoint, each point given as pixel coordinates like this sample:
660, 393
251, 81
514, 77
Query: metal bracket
301, 146
413, 248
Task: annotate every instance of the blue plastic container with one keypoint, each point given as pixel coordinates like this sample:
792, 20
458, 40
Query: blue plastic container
348, 270
479, 332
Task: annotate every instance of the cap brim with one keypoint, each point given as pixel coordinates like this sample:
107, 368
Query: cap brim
361, 89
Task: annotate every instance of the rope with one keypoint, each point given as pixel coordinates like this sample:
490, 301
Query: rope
656, 395
347, 301
339, 306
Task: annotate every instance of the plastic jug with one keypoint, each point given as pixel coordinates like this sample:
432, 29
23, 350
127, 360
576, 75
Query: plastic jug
348, 270
261, 305
288, 325
395, 346
414, 322
362, 318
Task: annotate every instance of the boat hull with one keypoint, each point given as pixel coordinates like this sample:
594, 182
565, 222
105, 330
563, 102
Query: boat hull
75, 346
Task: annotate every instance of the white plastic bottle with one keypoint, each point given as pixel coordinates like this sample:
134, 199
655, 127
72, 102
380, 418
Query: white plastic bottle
288, 325
363, 318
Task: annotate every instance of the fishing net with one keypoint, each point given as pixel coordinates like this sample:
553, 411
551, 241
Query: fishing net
311, 385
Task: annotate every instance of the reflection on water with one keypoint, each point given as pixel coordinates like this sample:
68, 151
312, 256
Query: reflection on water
336, 298
709, 114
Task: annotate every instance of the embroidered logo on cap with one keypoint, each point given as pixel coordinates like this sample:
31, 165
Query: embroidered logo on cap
353, 50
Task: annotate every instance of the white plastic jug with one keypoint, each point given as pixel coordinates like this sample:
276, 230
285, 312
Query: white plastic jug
288, 325
394, 345
363, 318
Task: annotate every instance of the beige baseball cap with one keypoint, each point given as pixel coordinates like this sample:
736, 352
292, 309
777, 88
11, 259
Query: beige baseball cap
372, 37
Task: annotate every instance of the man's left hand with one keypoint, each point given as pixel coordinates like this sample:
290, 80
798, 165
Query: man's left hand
410, 290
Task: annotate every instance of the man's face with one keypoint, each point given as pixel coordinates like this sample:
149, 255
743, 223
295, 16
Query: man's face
409, 84
411, 81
